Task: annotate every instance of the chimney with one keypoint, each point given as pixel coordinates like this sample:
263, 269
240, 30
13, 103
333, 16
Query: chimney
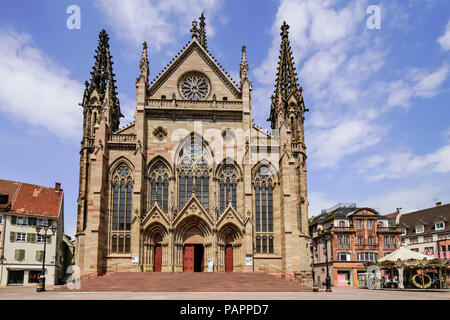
438, 204
397, 218
57, 186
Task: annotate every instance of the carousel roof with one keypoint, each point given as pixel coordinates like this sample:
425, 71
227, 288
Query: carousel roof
404, 254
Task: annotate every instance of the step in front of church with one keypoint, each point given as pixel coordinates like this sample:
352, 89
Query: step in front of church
187, 282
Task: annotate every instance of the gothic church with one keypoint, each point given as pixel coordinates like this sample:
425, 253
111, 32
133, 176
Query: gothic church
192, 185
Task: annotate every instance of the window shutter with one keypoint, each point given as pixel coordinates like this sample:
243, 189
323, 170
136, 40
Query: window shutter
38, 255
22, 254
49, 240
12, 237
33, 237
13, 220
16, 254
29, 237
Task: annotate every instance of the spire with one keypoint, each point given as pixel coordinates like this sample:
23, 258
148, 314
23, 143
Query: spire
103, 65
102, 76
194, 29
286, 83
143, 66
202, 31
244, 65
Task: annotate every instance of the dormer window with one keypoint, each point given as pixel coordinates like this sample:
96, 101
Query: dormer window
341, 224
420, 228
439, 225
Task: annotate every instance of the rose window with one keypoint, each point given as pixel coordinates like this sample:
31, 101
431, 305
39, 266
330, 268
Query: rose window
194, 86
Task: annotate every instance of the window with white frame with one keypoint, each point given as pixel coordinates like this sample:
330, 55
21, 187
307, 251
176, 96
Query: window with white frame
369, 224
439, 225
367, 256
420, 228
359, 224
42, 222
20, 236
370, 241
21, 221
40, 238
341, 224
343, 256
360, 241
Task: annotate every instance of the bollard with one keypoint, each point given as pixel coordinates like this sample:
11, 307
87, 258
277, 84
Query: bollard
315, 287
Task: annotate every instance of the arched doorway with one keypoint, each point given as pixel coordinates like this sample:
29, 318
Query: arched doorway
193, 250
157, 240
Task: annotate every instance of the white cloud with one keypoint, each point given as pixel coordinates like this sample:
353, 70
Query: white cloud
36, 90
329, 146
340, 60
444, 40
318, 201
158, 22
399, 165
410, 198
128, 108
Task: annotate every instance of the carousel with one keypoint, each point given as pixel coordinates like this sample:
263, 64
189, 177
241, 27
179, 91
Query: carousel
406, 269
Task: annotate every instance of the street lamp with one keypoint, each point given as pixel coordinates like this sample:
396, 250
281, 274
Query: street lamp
45, 236
326, 235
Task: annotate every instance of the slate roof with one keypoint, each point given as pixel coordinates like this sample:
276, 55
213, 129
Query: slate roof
428, 217
33, 200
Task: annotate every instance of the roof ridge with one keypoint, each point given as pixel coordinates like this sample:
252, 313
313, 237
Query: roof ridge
210, 55
124, 127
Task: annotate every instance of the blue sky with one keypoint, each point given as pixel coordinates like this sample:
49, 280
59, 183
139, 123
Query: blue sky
378, 130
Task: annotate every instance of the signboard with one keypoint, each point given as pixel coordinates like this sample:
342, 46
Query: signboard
135, 260
249, 261
211, 265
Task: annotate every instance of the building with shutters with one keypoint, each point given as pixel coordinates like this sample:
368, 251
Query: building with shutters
26, 206
193, 181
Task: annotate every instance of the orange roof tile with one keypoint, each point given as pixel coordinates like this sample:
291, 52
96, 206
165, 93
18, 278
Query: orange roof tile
33, 199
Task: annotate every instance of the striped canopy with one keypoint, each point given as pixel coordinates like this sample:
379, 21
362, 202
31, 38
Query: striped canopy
404, 254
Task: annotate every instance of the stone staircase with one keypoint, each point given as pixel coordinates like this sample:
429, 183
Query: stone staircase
188, 282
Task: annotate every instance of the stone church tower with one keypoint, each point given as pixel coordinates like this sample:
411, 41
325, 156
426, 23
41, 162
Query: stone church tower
192, 184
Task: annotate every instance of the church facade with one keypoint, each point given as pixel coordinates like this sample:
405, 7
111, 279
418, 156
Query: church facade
192, 184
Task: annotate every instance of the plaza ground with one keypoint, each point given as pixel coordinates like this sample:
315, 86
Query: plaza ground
339, 293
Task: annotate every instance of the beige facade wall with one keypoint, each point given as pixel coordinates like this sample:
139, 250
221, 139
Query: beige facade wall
139, 148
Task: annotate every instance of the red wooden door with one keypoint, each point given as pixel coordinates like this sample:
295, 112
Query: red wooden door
229, 258
188, 260
158, 258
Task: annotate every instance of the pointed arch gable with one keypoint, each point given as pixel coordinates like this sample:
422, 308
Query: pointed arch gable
159, 159
193, 136
117, 162
192, 209
156, 215
228, 161
265, 163
230, 216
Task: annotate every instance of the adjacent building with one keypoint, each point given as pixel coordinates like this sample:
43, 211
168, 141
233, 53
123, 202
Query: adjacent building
24, 207
360, 235
428, 231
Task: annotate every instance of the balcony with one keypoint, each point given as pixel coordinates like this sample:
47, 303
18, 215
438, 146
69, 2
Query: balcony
343, 229
194, 104
127, 141
388, 230
366, 246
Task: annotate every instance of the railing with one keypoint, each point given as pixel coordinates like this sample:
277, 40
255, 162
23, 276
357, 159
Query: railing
194, 104
366, 246
386, 229
89, 275
282, 273
343, 229
121, 138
